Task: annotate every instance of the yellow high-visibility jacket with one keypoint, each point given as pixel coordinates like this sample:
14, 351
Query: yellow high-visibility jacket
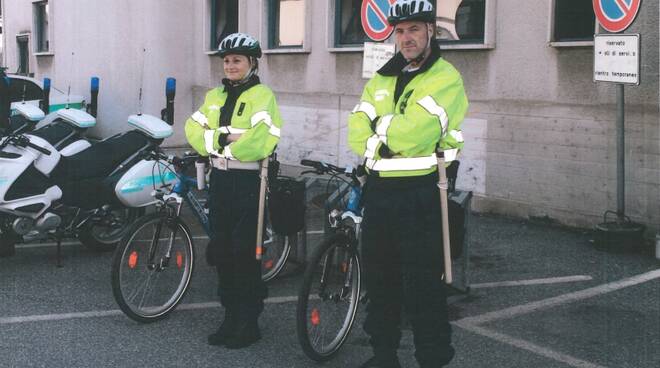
428, 113
256, 116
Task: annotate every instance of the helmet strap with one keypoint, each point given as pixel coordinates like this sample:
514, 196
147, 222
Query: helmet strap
254, 68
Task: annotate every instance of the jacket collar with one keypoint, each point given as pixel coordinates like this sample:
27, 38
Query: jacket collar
238, 89
396, 64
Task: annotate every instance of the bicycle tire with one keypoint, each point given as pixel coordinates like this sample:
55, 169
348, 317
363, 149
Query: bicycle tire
306, 316
276, 252
136, 257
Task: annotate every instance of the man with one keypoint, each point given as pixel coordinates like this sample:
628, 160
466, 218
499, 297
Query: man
412, 107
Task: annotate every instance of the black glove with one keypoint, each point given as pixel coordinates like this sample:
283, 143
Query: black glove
385, 152
222, 140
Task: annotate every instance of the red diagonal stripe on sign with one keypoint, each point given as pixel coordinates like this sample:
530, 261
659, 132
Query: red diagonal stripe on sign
624, 7
379, 13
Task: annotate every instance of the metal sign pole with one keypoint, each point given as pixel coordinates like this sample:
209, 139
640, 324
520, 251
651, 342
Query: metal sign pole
617, 61
621, 152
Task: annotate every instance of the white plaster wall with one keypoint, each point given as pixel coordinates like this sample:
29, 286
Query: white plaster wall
127, 44
539, 133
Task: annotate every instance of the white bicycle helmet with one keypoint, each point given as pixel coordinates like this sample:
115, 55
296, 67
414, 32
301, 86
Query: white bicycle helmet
406, 10
239, 44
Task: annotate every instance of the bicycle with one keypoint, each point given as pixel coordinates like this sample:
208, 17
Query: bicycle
329, 296
153, 265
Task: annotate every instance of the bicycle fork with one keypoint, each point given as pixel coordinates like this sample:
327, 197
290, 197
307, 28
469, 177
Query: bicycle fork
344, 262
164, 262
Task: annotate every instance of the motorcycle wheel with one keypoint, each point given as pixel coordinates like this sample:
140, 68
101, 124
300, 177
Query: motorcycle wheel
104, 236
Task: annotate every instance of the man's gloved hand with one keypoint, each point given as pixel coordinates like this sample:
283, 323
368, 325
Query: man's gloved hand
222, 140
385, 152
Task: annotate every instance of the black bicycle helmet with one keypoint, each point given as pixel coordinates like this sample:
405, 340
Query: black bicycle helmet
407, 10
239, 44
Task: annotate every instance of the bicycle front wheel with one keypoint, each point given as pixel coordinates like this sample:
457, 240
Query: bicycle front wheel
152, 267
328, 298
276, 249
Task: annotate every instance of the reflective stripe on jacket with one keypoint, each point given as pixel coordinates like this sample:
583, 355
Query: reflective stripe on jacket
430, 110
256, 116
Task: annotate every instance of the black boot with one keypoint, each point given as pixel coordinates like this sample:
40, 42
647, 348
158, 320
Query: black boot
246, 333
226, 330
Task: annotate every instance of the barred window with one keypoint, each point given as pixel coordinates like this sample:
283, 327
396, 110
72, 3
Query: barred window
41, 19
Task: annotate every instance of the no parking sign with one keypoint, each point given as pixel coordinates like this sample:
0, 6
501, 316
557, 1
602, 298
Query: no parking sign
374, 18
616, 15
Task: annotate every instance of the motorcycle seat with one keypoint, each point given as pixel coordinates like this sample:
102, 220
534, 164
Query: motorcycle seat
55, 133
19, 123
101, 159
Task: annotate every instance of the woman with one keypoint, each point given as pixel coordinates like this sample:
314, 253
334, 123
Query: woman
237, 126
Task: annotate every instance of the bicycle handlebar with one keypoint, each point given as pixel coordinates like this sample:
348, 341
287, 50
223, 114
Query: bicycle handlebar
326, 168
179, 162
322, 167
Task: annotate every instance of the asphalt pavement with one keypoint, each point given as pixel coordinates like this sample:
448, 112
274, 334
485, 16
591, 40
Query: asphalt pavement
540, 296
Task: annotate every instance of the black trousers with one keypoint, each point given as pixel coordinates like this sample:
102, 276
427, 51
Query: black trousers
402, 254
233, 211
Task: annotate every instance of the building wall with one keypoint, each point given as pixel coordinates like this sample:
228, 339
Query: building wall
540, 134
127, 44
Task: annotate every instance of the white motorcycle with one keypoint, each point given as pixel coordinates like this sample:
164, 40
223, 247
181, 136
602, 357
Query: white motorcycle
45, 194
62, 128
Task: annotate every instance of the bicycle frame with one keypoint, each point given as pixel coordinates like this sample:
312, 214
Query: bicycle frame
183, 188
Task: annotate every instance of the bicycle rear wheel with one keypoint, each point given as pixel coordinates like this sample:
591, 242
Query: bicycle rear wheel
328, 298
276, 249
152, 267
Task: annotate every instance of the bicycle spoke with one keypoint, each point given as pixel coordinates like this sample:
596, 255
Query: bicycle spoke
330, 317
145, 285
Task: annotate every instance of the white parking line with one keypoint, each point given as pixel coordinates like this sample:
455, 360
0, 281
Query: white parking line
551, 280
525, 345
471, 323
561, 299
45, 245
116, 312
70, 243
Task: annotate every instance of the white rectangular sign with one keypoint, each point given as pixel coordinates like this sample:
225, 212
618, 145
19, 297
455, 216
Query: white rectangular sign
616, 58
376, 54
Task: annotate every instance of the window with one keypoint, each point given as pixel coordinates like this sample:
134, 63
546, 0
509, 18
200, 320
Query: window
23, 55
461, 21
574, 21
286, 23
224, 21
41, 20
348, 26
